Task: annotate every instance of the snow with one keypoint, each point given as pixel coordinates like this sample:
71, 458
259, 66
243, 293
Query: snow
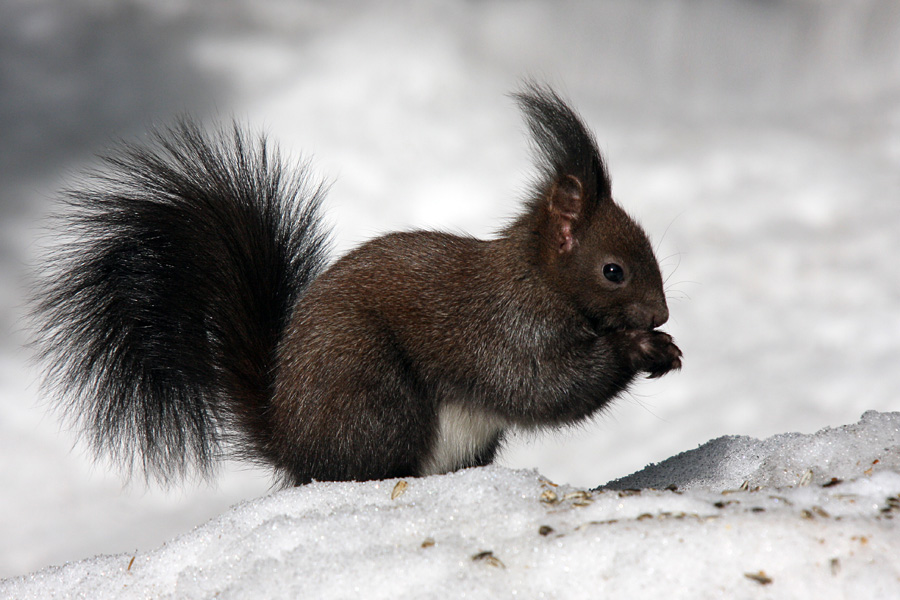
500, 533
785, 460
758, 143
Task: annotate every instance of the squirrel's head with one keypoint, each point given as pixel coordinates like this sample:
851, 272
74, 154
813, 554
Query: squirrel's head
588, 247
601, 259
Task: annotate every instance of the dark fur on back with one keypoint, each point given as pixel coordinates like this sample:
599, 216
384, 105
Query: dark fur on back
162, 317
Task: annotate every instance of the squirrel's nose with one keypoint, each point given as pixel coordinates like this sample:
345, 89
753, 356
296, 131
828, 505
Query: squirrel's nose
648, 314
660, 316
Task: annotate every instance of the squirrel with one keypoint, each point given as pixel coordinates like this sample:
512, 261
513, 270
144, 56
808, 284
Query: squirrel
193, 313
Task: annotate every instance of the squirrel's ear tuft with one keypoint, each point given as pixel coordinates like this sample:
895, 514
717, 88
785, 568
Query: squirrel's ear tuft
564, 147
573, 182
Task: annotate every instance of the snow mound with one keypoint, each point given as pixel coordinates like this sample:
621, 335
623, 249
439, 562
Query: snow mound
847, 452
499, 533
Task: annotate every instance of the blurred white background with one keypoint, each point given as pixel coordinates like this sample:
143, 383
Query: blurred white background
758, 141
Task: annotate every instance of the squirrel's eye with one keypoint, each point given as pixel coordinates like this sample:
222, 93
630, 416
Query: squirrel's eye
614, 272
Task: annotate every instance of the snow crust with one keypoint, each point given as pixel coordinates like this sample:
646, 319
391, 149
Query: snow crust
789, 459
792, 516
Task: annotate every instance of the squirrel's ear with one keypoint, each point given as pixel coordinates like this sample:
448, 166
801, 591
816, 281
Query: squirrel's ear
573, 183
565, 208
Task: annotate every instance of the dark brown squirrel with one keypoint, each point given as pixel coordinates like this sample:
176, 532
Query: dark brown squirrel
193, 316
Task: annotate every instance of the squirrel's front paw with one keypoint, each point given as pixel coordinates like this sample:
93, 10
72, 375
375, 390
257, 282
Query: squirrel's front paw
652, 352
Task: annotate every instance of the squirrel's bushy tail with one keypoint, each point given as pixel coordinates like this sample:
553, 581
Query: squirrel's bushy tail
161, 313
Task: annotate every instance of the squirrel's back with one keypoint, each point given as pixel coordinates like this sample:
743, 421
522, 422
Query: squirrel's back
373, 346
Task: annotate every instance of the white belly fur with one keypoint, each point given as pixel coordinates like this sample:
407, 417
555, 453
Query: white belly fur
462, 434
